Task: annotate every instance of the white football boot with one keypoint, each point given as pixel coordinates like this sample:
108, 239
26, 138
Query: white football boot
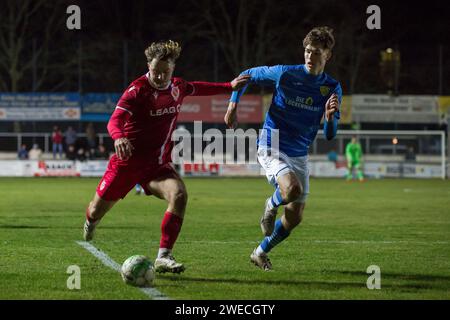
262, 261
167, 263
89, 230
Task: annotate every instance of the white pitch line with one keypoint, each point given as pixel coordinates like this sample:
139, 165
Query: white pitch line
107, 261
226, 242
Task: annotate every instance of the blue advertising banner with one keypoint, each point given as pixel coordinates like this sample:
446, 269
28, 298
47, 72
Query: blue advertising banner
44, 106
98, 106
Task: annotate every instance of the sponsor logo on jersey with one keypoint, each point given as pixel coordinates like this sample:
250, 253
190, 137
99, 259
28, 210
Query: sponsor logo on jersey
132, 88
164, 111
102, 186
175, 93
324, 90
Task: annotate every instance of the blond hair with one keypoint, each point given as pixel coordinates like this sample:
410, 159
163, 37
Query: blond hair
163, 50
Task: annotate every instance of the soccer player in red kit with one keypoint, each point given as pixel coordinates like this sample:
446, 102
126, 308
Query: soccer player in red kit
141, 127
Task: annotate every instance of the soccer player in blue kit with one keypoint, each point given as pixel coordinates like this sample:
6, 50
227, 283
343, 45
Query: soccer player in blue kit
303, 95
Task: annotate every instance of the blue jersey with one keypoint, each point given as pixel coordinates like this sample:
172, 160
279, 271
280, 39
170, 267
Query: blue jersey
298, 105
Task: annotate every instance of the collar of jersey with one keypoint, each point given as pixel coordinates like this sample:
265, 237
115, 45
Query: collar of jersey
319, 76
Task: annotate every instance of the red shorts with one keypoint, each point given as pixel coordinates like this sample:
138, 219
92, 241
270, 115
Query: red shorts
121, 176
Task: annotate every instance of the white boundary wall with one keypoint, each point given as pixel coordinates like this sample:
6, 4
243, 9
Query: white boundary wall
318, 168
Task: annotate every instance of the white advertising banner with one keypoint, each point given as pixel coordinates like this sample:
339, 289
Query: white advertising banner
54, 168
96, 168
16, 168
39, 114
327, 169
403, 109
93, 168
38, 106
236, 170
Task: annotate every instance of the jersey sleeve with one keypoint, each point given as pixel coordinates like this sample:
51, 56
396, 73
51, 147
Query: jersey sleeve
123, 111
263, 76
360, 153
199, 88
348, 153
117, 122
330, 130
128, 100
338, 91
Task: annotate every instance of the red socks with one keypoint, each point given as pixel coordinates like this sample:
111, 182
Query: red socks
170, 228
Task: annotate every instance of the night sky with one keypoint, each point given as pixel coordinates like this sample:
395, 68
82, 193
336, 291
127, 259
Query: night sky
114, 35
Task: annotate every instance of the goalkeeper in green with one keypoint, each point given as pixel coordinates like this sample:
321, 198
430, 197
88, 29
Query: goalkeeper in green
353, 153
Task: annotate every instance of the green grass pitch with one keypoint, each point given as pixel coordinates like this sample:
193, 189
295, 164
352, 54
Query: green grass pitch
402, 226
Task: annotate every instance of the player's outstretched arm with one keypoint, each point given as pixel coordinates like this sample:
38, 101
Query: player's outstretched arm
240, 82
200, 88
231, 115
265, 76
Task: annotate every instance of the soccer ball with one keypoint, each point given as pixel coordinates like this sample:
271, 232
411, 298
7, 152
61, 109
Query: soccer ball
138, 271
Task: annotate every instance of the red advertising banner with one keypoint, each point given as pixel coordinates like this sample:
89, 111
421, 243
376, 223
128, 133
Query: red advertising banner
212, 109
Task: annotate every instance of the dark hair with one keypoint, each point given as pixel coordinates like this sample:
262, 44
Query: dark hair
163, 50
320, 35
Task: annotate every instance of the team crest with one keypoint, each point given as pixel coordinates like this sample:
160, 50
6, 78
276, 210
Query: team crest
175, 93
324, 90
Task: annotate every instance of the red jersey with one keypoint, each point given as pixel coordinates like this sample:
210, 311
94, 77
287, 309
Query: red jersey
148, 116
57, 137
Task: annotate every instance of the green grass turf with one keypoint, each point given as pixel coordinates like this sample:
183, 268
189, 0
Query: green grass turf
403, 226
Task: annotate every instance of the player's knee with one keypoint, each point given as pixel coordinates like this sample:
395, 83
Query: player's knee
179, 198
292, 193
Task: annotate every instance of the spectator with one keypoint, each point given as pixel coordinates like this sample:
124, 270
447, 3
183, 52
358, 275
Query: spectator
82, 154
91, 136
71, 152
23, 152
101, 153
35, 153
410, 155
57, 139
332, 156
91, 153
70, 136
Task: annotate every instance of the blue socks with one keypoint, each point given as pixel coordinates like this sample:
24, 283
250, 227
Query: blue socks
276, 199
278, 235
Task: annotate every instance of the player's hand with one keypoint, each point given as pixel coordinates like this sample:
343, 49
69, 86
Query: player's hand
331, 107
239, 82
231, 115
124, 148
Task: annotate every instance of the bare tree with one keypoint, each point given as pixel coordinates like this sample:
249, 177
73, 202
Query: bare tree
247, 32
24, 40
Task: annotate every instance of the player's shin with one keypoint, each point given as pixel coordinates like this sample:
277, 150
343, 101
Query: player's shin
278, 235
170, 228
